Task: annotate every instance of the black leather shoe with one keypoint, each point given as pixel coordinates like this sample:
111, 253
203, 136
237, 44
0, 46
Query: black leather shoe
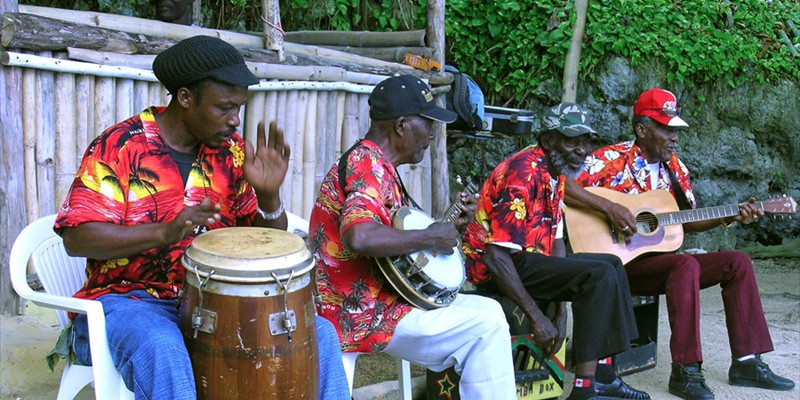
687, 382
756, 373
619, 389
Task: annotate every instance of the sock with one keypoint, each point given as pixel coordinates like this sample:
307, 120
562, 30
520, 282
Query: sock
605, 371
745, 358
583, 388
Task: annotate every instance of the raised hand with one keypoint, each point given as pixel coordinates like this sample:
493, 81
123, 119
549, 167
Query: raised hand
266, 166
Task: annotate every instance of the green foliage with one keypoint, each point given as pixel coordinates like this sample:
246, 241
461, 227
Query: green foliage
514, 47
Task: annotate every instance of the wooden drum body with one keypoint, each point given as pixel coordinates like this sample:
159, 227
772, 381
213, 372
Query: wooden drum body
248, 315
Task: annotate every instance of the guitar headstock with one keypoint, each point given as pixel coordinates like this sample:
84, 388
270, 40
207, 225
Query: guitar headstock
784, 205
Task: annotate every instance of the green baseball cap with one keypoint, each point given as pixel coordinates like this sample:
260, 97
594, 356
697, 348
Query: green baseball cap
568, 118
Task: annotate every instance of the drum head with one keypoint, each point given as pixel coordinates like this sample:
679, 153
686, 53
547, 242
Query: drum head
247, 254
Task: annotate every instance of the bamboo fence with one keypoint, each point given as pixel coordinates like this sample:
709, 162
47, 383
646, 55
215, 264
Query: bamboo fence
63, 111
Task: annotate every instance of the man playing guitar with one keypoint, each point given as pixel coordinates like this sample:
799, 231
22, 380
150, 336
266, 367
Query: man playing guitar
649, 163
351, 224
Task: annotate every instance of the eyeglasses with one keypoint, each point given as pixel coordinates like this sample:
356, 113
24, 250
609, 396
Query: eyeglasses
668, 111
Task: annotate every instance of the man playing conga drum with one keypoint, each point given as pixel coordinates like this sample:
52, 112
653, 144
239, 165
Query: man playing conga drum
352, 222
146, 187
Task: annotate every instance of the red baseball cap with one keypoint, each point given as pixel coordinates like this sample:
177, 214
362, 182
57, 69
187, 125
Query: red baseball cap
660, 105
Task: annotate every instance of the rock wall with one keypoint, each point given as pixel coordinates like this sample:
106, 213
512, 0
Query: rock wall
741, 142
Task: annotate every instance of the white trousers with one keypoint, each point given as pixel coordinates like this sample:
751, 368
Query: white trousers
471, 334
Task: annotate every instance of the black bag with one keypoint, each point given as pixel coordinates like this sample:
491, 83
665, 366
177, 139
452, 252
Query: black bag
465, 98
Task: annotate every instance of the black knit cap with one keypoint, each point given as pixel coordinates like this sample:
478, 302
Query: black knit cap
201, 57
404, 95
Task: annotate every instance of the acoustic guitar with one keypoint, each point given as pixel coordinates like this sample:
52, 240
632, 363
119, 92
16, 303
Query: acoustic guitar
659, 222
426, 279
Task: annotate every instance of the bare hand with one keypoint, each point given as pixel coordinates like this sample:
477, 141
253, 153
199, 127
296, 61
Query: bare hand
205, 213
443, 237
469, 206
544, 332
265, 168
621, 219
748, 212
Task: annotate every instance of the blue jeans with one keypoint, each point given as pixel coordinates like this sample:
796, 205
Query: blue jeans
157, 365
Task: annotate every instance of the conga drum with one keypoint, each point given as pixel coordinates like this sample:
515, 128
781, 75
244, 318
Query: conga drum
247, 315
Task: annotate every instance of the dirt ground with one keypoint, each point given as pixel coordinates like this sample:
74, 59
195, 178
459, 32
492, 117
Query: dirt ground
25, 340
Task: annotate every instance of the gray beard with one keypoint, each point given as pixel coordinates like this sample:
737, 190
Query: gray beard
559, 164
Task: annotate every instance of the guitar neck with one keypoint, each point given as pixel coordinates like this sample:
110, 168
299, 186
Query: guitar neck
700, 214
454, 210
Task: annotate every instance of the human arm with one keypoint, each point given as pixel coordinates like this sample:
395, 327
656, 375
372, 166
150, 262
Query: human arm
265, 168
748, 213
106, 241
617, 215
504, 273
376, 240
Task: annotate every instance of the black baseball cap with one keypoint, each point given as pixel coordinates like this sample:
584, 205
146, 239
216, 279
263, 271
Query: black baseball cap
403, 95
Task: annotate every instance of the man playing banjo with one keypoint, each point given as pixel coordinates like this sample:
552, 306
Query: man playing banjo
352, 222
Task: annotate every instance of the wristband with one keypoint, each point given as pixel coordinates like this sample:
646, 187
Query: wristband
271, 216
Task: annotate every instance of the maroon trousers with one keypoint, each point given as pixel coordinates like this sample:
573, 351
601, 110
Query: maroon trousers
681, 276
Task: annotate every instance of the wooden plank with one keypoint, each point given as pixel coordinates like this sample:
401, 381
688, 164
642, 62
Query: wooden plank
440, 187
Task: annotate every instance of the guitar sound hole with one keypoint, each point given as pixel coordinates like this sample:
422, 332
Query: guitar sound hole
646, 223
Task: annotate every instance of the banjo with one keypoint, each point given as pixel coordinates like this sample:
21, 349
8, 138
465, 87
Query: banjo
426, 279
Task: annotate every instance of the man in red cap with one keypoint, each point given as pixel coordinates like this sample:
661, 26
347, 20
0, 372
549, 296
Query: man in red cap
649, 163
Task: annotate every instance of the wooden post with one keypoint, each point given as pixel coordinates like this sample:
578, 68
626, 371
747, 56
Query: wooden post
273, 31
12, 191
573, 61
440, 183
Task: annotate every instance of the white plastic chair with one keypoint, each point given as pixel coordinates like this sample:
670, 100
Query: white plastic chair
62, 276
299, 226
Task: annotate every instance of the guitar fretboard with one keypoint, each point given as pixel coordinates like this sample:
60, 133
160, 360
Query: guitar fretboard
700, 214
454, 210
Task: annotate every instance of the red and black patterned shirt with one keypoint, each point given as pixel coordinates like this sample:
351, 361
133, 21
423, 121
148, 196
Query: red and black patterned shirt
127, 177
356, 298
519, 207
624, 168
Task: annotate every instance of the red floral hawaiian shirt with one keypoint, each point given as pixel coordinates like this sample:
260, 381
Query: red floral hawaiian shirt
355, 296
127, 177
623, 167
520, 204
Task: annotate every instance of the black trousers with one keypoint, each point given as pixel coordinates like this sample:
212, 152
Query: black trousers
597, 287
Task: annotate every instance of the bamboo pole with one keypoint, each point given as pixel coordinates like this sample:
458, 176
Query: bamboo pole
340, 122
254, 115
160, 29
288, 130
270, 106
350, 126
440, 187
573, 62
141, 91
141, 61
103, 104
45, 142
29, 112
310, 141
358, 39
84, 115
273, 31
123, 100
66, 135
391, 54
324, 133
